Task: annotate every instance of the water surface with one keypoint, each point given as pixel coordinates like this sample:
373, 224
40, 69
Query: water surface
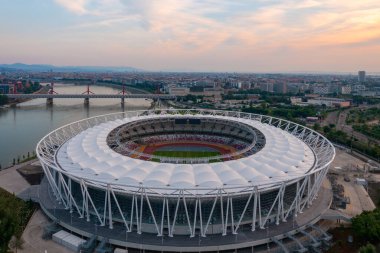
22, 127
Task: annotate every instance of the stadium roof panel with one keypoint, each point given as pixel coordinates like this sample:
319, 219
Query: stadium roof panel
87, 154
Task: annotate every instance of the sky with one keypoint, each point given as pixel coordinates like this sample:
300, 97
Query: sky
194, 35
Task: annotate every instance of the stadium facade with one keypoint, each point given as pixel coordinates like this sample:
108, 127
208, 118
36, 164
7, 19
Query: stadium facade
119, 171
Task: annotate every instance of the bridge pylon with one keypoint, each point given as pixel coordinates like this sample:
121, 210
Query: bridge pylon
88, 92
123, 92
49, 101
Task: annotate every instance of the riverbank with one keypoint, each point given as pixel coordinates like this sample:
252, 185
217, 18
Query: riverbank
22, 126
15, 102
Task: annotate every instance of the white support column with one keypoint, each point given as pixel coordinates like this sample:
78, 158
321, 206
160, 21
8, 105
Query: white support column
274, 203
317, 185
141, 208
133, 211
109, 207
210, 216
187, 214
151, 212
63, 191
307, 188
279, 203
105, 206
195, 216
168, 215
85, 201
71, 198
120, 211
221, 209
260, 218
294, 205
162, 217
302, 191
92, 204
232, 217
254, 209
308, 191
226, 219
200, 217
51, 180
171, 230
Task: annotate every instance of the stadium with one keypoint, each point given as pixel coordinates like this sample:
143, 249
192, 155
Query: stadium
185, 180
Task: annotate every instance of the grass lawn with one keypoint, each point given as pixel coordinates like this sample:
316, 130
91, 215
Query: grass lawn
186, 154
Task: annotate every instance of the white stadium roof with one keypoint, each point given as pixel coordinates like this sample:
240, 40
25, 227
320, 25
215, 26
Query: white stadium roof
87, 156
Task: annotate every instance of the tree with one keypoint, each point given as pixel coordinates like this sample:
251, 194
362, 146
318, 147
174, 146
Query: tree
367, 225
16, 243
7, 228
3, 99
369, 248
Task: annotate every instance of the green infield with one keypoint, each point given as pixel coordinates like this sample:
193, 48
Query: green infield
186, 154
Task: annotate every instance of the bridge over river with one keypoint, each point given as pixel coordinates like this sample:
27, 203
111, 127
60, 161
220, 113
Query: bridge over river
88, 96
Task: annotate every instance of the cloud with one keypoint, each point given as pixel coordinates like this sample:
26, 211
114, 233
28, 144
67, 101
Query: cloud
183, 30
75, 6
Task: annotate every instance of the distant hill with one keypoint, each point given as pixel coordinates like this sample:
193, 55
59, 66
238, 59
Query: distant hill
46, 68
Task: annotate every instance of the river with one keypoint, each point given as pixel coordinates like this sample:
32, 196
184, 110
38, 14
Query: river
23, 126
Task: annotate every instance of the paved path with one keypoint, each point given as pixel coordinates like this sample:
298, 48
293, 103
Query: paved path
12, 181
365, 200
32, 236
331, 118
345, 160
341, 125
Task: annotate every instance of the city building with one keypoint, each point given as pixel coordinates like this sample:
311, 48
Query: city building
361, 76
321, 89
7, 88
329, 102
179, 91
4, 88
280, 88
346, 89
295, 87
268, 87
358, 88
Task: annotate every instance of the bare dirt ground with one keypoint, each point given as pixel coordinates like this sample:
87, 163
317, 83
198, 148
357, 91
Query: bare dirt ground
32, 236
350, 168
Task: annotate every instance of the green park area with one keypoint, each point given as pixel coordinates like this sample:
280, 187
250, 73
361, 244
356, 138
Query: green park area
365, 121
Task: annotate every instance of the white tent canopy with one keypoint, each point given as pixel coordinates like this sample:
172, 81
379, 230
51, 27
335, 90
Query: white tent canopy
87, 155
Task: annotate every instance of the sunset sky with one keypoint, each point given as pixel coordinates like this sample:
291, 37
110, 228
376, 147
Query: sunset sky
194, 35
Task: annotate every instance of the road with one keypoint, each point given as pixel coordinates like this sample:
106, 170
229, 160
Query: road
331, 119
341, 125
338, 118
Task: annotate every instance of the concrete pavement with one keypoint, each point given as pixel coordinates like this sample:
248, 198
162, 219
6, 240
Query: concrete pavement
12, 181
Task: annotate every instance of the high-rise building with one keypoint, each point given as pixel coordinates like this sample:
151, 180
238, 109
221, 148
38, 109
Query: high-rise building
361, 76
266, 87
279, 88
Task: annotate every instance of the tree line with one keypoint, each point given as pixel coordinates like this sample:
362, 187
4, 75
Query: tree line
14, 216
